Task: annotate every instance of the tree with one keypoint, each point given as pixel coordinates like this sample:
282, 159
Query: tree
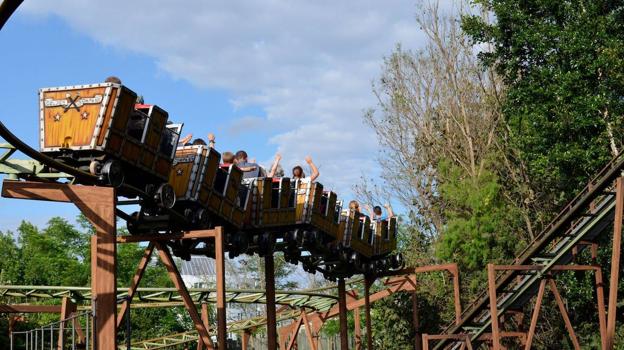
10, 271
561, 63
445, 157
54, 256
435, 104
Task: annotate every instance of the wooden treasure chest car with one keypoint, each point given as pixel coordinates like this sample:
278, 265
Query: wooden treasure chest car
206, 192
100, 129
385, 236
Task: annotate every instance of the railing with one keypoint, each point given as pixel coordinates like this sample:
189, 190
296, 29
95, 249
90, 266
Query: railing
71, 333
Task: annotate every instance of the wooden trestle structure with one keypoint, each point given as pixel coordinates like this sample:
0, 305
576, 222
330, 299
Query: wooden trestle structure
98, 206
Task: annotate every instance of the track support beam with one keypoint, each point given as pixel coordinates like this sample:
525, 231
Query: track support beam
269, 278
342, 304
98, 205
615, 262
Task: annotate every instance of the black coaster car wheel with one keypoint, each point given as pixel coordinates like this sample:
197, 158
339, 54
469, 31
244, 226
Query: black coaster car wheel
165, 196
95, 167
132, 225
397, 262
112, 173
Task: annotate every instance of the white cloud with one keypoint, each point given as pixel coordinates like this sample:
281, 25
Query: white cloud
308, 64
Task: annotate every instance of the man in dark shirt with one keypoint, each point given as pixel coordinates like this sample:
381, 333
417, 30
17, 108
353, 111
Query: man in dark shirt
250, 169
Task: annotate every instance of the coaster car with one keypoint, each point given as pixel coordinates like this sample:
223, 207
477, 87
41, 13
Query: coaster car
98, 128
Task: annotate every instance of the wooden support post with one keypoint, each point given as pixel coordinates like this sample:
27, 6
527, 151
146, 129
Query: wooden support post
175, 277
535, 316
425, 341
468, 342
496, 344
206, 321
98, 205
100, 210
220, 270
269, 273
67, 308
358, 329
564, 314
602, 317
293, 331
79, 331
416, 322
245, 339
308, 330
282, 334
369, 332
615, 262
125, 307
315, 325
454, 270
342, 304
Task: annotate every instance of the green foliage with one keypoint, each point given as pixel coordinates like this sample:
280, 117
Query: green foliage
561, 61
479, 221
53, 256
9, 253
391, 320
59, 255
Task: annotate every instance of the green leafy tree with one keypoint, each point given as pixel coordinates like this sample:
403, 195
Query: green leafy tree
10, 270
562, 65
479, 223
55, 255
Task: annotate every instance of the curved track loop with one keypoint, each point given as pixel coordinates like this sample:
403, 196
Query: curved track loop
6, 10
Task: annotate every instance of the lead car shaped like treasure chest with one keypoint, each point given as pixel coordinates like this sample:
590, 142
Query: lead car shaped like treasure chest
99, 128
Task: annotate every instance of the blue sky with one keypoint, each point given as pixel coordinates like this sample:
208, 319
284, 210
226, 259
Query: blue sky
264, 76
